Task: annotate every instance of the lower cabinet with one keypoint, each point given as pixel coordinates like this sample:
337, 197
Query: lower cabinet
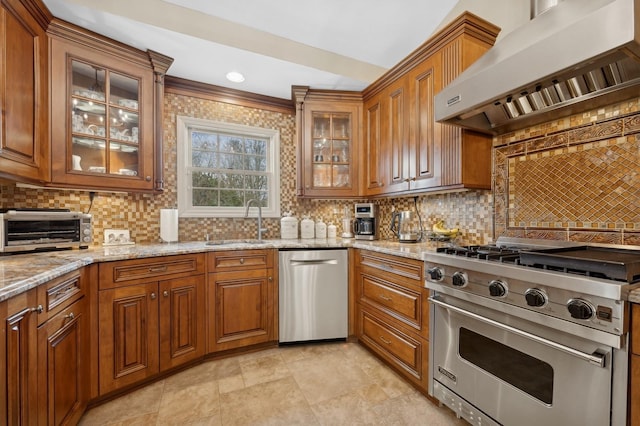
241, 299
44, 354
63, 366
148, 323
633, 417
19, 360
392, 312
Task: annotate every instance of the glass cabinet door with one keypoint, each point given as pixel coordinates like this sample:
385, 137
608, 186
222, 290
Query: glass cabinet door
331, 139
104, 121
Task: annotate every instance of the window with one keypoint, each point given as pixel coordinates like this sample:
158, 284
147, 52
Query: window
221, 166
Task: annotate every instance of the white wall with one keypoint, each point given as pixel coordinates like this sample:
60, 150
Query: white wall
507, 14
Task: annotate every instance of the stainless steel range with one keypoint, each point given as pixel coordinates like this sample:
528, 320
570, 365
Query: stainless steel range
531, 332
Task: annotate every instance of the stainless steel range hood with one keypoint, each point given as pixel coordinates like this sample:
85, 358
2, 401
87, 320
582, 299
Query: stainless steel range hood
577, 56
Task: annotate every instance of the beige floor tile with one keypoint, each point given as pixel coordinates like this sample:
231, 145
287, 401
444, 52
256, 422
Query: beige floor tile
328, 376
138, 403
263, 369
279, 402
230, 384
312, 384
189, 404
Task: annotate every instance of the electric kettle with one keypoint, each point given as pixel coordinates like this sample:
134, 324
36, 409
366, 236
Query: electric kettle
406, 226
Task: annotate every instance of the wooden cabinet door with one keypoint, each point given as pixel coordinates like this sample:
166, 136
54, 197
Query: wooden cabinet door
241, 311
373, 156
19, 360
24, 145
128, 337
425, 167
395, 137
63, 367
182, 321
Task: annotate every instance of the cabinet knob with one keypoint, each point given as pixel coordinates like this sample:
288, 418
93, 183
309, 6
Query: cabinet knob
70, 316
148, 178
270, 278
242, 260
153, 296
38, 309
165, 293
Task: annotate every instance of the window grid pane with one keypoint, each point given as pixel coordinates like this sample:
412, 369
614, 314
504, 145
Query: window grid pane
228, 169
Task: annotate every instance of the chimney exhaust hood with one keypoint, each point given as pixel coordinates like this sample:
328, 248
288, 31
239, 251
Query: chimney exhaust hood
577, 56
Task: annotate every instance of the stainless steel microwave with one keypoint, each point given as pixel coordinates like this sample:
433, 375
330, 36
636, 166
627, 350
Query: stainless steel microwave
23, 230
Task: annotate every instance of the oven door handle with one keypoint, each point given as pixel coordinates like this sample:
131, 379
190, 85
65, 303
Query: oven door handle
595, 358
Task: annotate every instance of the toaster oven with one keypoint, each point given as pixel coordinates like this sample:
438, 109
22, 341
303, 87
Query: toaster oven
24, 230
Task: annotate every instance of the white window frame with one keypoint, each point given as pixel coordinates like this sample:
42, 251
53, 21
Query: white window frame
185, 125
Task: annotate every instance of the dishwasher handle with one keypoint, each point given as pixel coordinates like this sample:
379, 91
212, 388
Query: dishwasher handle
304, 262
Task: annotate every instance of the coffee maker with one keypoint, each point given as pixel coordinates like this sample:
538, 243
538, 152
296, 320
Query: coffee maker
406, 226
365, 225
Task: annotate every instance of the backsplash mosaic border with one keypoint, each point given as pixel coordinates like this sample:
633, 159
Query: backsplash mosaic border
605, 129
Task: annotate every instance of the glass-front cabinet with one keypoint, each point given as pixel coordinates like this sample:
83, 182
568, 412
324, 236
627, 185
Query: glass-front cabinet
328, 144
104, 103
105, 120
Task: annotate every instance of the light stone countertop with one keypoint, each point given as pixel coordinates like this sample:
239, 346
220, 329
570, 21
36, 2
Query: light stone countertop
19, 273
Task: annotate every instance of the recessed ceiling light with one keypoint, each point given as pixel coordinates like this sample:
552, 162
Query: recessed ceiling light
235, 76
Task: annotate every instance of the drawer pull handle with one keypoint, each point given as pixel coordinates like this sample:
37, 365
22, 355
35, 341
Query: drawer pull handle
165, 293
70, 316
162, 268
383, 297
388, 342
242, 260
63, 291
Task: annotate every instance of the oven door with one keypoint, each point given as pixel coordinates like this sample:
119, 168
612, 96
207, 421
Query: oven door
514, 371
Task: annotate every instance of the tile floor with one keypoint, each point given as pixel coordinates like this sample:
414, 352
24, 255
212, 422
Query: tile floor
316, 384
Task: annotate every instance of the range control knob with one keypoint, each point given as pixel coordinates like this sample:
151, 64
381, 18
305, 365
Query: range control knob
497, 288
435, 273
535, 297
580, 309
459, 279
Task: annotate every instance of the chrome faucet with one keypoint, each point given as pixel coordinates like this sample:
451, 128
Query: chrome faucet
246, 214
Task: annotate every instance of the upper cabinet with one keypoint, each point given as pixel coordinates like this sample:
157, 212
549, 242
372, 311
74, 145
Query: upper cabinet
106, 112
405, 150
24, 142
328, 131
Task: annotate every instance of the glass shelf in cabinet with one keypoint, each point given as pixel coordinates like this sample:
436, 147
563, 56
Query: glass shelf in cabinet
124, 91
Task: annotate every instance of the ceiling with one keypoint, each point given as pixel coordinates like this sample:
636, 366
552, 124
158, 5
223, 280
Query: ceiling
328, 44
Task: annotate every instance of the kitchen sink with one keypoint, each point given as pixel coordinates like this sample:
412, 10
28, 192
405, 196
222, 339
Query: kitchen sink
234, 242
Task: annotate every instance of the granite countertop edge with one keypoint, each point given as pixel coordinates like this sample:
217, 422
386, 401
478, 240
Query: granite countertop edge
20, 273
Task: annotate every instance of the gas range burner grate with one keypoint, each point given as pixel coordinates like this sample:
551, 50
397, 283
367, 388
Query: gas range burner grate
486, 252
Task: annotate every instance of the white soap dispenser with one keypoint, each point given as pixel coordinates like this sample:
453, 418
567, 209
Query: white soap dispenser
332, 231
306, 228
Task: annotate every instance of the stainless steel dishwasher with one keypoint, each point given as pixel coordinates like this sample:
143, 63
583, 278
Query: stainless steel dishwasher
313, 295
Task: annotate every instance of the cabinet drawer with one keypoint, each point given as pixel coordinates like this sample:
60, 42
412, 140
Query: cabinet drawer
635, 328
59, 293
399, 302
224, 261
401, 266
129, 272
404, 352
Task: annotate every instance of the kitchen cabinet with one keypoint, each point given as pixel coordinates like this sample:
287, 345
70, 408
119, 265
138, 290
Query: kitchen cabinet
18, 352
106, 112
406, 151
328, 132
241, 299
634, 367
63, 348
392, 312
151, 315
24, 87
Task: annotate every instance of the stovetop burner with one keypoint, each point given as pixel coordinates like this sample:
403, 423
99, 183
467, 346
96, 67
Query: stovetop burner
612, 263
484, 252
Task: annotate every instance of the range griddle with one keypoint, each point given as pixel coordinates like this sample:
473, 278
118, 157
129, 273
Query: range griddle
604, 262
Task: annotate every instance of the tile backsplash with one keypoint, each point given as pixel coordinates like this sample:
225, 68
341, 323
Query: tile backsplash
577, 178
